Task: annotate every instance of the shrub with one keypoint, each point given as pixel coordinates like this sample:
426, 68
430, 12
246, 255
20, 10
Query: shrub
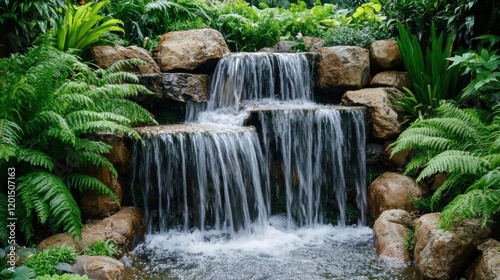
45, 262
102, 248
464, 144
354, 36
63, 277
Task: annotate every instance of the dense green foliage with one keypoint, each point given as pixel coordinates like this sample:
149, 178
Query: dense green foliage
102, 248
431, 78
51, 104
465, 145
46, 262
63, 277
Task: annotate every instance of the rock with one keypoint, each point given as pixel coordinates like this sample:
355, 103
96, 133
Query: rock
398, 160
392, 190
105, 56
443, 254
390, 231
384, 118
313, 44
177, 86
343, 66
374, 153
127, 228
487, 266
190, 50
93, 204
396, 79
385, 55
99, 267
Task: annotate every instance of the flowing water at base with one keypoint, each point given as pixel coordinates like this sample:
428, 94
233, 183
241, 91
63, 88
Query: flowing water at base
322, 252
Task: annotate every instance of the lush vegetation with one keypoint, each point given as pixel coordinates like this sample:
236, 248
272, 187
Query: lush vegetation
102, 248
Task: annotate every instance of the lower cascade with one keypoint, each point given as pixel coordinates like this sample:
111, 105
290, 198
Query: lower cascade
261, 183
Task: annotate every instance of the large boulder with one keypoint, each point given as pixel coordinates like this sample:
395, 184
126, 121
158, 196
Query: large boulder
390, 232
443, 254
398, 160
105, 56
384, 118
344, 67
392, 190
385, 55
99, 268
190, 50
396, 79
487, 266
177, 86
127, 228
93, 204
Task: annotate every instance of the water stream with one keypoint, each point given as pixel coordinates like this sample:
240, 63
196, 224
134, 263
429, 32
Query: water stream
260, 183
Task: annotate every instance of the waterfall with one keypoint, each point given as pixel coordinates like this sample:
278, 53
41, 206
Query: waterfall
214, 172
208, 177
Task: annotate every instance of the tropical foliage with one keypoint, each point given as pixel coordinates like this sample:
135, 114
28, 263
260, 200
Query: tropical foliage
102, 248
431, 78
51, 261
465, 145
51, 104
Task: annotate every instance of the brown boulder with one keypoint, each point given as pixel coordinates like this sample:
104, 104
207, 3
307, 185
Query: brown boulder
384, 118
189, 50
343, 66
390, 231
487, 266
396, 79
93, 204
398, 160
392, 190
105, 56
385, 55
99, 267
177, 86
127, 228
443, 254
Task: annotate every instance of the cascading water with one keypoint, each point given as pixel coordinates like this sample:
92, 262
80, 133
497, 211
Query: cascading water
210, 186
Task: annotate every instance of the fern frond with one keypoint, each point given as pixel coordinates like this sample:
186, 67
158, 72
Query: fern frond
4, 231
91, 146
35, 158
408, 141
84, 182
470, 117
120, 65
81, 117
116, 91
128, 109
50, 192
452, 161
488, 180
121, 78
446, 189
90, 158
46, 119
100, 126
418, 161
64, 135
10, 132
473, 204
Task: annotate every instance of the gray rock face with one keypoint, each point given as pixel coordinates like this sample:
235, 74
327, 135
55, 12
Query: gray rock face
105, 56
189, 50
445, 254
384, 118
396, 79
487, 266
99, 267
343, 66
385, 55
390, 231
177, 86
392, 190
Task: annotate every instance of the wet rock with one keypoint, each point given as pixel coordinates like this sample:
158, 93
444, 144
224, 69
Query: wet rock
385, 55
177, 86
443, 254
487, 266
99, 268
396, 79
343, 66
127, 228
384, 118
93, 204
375, 153
105, 56
390, 231
190, 50
392, 190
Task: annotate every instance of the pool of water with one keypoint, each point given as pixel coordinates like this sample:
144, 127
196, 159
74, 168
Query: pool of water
276, 252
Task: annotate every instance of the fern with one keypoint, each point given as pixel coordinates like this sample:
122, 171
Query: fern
49, 103
464, 145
